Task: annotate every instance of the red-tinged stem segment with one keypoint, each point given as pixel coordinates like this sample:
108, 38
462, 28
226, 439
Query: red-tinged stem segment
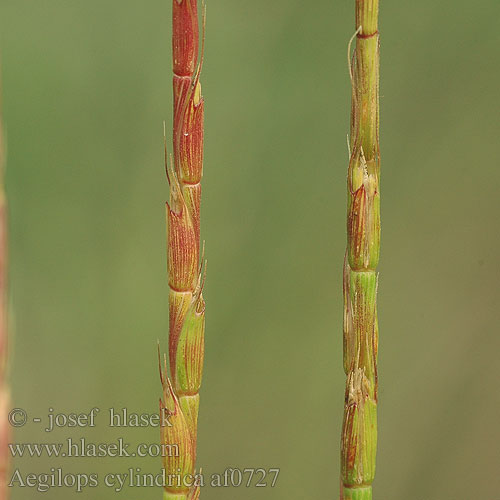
186, 304
4, 388
359, 432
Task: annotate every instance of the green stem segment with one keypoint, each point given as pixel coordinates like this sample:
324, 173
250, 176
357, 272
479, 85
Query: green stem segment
174, 496
359, 432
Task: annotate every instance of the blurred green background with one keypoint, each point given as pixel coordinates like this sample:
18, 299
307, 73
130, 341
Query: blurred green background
86, 86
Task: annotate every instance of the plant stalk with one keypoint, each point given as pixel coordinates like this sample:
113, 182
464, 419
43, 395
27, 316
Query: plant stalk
359, 430
185, 275
4, 386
